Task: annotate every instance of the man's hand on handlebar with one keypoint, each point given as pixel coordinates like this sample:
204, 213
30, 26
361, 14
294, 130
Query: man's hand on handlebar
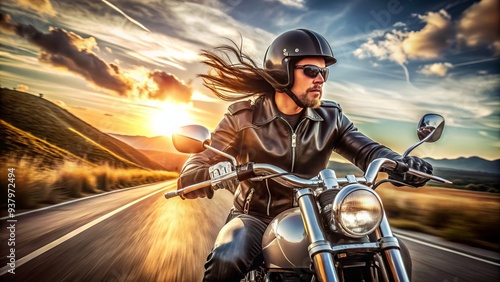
220, 169
416, 164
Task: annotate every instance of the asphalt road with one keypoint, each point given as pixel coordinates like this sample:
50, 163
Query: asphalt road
137, 235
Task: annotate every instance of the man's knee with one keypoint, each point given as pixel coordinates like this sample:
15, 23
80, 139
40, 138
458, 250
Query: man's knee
224, 264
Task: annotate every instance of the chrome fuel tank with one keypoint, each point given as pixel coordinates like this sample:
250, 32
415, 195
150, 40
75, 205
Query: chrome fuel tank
285, 242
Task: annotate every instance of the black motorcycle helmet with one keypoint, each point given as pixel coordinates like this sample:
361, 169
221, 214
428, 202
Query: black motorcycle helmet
293, 45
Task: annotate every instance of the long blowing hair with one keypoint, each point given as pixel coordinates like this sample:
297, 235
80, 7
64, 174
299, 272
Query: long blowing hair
241, 79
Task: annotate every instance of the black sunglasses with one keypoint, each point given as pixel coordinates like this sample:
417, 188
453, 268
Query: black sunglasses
312, 71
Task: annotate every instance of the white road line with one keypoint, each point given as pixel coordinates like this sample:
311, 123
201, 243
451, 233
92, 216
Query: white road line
75, 232
81, 199
446, 249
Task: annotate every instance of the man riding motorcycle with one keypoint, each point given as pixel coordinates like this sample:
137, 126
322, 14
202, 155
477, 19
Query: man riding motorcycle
285, 124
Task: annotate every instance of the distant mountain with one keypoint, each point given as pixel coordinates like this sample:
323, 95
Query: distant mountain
158, 143
158, 148
171, 161
36, 127
468, 164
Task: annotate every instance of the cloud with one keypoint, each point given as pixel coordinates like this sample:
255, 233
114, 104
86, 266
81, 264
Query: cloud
439, 69
399, 46
69, 51
432, 39
6, 23
464, 101
59, 103
293, 3
480, 24
169, 87
78, 108
22, 88
41, 6
390, 48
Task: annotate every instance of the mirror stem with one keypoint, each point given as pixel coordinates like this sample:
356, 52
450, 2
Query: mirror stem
407, 152
233, 160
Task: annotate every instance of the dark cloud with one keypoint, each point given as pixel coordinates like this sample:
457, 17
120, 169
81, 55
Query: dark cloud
169, 87
70, 51
480, 25
6, 23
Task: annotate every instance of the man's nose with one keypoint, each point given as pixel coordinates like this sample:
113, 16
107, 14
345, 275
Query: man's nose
319, 78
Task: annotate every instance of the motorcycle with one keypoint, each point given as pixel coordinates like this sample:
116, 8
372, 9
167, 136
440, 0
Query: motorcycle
338, 232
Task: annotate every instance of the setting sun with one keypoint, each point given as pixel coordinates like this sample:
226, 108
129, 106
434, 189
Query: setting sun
169, 117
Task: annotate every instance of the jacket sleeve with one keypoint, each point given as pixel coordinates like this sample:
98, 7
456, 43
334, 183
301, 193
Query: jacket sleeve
224, 138
357, 147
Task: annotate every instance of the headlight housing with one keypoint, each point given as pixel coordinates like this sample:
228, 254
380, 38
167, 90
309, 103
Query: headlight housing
357, 211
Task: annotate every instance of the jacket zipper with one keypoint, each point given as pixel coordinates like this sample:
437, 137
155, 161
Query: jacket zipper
294, 145
246, 207
294, 139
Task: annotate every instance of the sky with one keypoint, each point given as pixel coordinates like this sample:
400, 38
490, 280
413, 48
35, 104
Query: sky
130, 67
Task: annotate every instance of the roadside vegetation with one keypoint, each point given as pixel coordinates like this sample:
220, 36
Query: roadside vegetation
37, 185
466, 217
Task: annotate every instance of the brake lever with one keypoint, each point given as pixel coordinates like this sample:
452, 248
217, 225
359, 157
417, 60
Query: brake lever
429, 176
188, 189
401, 167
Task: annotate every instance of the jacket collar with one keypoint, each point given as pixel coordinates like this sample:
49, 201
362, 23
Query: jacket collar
266, 111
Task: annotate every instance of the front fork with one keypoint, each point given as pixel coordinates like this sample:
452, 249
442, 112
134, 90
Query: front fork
391, 253
320, 249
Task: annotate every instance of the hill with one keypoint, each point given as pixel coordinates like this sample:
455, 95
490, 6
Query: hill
171, 161
469, 164
29, 120
157, 143
18, 143
158, 148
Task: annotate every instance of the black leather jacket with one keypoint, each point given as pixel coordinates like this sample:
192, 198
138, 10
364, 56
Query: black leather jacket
255, 132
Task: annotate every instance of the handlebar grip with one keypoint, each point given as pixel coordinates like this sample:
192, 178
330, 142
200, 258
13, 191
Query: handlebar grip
245, 171
401, 167
429, 176
171, 194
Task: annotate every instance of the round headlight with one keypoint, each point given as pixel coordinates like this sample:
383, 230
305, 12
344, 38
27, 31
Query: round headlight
357, 210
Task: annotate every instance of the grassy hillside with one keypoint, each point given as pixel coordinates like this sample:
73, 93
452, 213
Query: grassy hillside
36, 117
17, 143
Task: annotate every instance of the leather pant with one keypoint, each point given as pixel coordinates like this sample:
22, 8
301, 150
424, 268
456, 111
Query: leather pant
238, 249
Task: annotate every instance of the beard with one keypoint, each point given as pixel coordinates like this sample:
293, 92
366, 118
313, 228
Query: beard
308, 101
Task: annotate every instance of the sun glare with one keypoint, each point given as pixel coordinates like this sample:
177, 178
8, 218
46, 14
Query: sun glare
169, 117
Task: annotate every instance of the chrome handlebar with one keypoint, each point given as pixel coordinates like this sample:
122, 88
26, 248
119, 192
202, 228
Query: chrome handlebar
285, 178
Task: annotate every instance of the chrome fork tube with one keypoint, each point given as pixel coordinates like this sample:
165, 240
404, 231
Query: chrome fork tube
319, 247
391, 253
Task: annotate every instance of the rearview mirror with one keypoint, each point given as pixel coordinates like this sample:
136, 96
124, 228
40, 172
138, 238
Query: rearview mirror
191, 139
430, 127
